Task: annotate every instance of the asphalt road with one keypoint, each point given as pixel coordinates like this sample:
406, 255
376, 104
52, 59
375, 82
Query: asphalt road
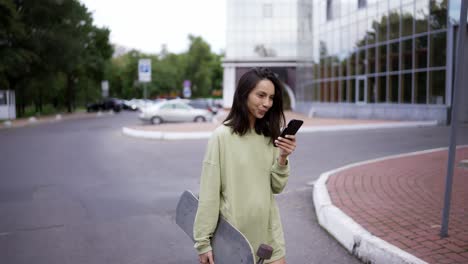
80, 192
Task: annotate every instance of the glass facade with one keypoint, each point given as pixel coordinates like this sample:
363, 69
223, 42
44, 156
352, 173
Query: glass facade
391, 51
261, 29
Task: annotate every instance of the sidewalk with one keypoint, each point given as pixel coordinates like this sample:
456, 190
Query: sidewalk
21, 122
390, 210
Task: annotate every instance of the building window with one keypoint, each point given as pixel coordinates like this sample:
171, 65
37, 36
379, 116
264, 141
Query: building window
329, 10
362, 4
3, 98
267, 10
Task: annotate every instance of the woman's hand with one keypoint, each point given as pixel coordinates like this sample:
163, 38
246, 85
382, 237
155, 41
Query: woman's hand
287, 146
206, 258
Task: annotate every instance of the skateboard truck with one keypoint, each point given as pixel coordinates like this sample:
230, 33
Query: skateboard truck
264, 252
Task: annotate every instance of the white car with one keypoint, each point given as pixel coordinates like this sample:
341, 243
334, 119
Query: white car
174, 111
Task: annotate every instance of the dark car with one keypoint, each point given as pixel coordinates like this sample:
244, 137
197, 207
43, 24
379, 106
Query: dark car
204, 104
105, 105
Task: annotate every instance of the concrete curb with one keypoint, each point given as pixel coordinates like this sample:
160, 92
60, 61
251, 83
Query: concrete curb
160, 135
357, 240
164, 135
367, 126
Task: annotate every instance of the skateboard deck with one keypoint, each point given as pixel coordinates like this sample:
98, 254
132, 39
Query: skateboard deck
229, 244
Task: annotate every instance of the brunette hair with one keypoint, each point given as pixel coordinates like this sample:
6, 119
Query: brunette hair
238, 117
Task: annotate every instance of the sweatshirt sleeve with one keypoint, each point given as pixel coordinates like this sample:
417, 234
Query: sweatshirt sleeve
279, 175
209, 198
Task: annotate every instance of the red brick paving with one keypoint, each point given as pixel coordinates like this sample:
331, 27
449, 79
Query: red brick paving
400, 200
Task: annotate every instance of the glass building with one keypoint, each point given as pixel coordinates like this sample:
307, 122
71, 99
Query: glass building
264, 33
389, 59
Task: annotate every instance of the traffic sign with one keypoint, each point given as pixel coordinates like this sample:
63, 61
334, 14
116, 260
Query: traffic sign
144, 70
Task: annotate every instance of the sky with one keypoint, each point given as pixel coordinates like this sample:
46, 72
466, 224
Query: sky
146, 25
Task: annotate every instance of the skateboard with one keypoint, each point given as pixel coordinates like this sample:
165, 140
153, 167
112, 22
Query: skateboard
229, 244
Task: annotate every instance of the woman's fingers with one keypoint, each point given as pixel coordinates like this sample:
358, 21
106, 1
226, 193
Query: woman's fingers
289, 142
206, 258
285, 149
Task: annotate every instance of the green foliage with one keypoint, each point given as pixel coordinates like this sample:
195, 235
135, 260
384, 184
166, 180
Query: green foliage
168, 72
49, 50
54, 57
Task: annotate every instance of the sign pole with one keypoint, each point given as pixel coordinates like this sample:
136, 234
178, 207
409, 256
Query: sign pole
144, 74
459, 55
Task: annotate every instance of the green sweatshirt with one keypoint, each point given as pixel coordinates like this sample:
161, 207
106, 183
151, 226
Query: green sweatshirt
240, 174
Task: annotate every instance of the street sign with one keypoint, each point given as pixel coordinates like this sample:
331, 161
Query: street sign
144, 70
187, 91
105, 88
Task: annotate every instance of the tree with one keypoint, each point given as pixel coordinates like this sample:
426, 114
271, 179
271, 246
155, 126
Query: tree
199, 59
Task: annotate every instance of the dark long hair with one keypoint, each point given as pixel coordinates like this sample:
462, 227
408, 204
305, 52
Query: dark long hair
238, 118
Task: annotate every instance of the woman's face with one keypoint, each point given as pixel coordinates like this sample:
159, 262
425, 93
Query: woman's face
260, 100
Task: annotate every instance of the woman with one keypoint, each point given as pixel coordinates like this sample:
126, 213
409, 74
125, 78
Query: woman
242, 168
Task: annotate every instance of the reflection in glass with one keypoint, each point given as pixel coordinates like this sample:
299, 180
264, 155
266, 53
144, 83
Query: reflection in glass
407, 54
394, 88
362, 62
382, 89
332, 87
335, 91
407, 19
316, 92
437, 87
308, 92
361, 33
371, 34
438, 19
361, 90
438, 49
454, 11
371, 60
394, 22
316, 71
323, 88
346, 45
421, 15
371, 90
352, 91
394, 56
421, 52
352, 64
328, 67
322, 68
343, 91
344, 67
382, 58
420, 87
406, 88
335, 67
382, 28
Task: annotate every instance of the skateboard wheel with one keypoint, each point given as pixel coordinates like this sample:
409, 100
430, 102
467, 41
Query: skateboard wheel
264, 251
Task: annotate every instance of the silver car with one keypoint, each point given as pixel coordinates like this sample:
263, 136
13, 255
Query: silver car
174, 111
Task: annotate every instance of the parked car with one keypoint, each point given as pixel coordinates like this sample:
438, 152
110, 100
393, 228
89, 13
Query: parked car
202, 103
105, 105
174, 111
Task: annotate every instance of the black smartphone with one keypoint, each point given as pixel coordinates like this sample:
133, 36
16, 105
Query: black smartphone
292, 127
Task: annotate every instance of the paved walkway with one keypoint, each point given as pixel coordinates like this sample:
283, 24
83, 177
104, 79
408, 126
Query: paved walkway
400, 201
